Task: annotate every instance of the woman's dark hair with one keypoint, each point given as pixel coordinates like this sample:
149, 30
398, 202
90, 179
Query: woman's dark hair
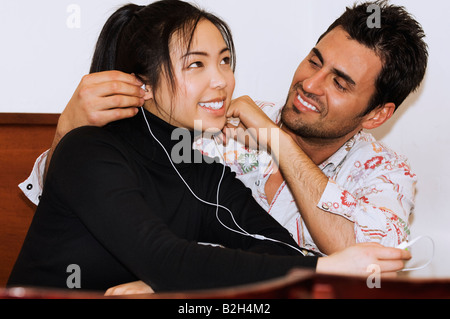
136, 39
398, 41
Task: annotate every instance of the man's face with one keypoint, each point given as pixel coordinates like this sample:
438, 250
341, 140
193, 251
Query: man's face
332, 88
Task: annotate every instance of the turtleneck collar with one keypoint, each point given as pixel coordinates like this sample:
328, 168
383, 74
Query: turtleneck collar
141, 131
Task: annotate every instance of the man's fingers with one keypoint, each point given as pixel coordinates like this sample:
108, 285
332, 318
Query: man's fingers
390, 253
111, 88
389, 259
121, 101
110, 83
391, 266
108, 76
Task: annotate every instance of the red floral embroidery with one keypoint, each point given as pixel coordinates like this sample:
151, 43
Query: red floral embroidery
373, 162
365, 200
347, 199
407, 170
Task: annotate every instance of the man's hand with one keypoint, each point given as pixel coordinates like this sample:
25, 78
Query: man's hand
254, 128
99, 99
356, 259
102, 98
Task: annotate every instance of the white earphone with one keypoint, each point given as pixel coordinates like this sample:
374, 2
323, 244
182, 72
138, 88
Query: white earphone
217, 205
406, 245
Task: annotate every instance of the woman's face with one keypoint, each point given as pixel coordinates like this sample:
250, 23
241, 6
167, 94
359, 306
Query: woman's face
204, 82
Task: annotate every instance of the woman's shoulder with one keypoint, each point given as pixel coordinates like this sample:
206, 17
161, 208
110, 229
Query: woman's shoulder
86, 135
88, 140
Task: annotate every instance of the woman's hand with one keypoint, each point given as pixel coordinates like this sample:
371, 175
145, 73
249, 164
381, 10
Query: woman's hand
132, 288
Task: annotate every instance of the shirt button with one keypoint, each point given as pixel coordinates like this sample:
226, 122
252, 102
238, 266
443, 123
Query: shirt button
325, 206
30, 187
257, 183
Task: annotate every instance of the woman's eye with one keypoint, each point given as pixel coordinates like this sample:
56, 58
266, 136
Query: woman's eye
195, 65
225, 61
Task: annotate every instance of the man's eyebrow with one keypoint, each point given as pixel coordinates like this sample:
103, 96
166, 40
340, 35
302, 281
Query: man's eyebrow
347, 78
203, 53
344, 76
318, 54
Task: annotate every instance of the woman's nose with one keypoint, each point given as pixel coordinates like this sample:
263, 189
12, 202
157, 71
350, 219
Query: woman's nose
218, 79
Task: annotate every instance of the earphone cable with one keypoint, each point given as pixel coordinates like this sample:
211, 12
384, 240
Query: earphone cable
217, 205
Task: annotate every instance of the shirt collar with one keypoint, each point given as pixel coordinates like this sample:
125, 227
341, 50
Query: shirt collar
336, 160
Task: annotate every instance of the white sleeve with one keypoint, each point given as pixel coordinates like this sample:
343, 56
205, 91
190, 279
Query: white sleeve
33, 185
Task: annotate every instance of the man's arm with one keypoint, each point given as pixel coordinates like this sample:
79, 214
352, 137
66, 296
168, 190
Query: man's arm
371, 202
353, 261
306, 181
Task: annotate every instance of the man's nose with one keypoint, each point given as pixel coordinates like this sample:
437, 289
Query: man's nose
314, 84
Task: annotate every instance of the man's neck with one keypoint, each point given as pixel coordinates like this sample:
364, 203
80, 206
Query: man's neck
319, 150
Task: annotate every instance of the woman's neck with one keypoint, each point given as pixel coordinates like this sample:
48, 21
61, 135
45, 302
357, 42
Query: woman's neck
160, 112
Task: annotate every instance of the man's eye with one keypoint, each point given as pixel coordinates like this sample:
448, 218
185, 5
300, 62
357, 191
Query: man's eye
339, 86
312, 62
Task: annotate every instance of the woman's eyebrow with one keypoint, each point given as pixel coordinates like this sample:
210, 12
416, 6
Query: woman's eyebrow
202, 53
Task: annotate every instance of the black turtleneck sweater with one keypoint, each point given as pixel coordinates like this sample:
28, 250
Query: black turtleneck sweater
114, 206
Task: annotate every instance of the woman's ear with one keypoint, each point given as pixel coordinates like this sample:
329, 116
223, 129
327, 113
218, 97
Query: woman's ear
146, 87
378, 116
148, 92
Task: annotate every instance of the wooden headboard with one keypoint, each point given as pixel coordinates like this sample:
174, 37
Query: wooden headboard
23, 137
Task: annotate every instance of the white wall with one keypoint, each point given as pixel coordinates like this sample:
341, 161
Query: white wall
44, 53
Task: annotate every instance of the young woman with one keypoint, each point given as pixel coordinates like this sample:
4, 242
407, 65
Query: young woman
116, 205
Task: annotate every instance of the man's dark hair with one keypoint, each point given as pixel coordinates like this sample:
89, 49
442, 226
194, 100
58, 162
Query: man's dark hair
398, 41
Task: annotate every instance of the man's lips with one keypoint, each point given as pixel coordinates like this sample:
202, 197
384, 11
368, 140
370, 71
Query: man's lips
302, 103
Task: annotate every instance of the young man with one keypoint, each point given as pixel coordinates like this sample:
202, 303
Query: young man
346, 187
336, 185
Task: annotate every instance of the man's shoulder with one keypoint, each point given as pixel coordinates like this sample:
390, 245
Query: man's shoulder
366, 143
371, 153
